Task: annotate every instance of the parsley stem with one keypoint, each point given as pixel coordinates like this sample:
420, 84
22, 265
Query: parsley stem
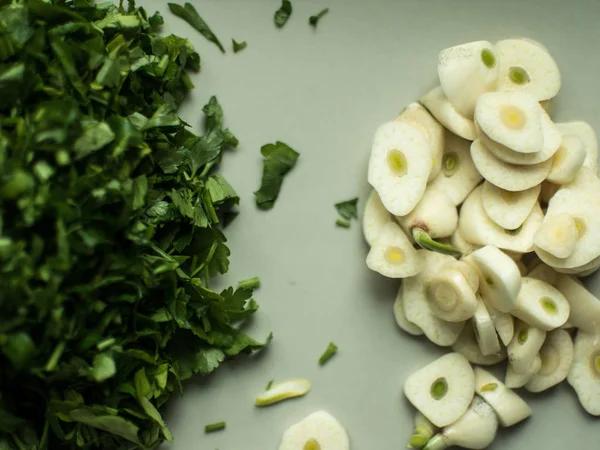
212, 427
329, 352
250, 283
342, 223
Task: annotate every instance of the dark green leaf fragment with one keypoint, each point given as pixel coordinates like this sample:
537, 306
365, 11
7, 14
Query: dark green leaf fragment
328, 354
283, 13
188, 13
314, 20
279, 159
347, 209
238, 46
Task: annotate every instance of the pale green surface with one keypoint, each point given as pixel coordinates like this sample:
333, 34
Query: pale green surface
324, 92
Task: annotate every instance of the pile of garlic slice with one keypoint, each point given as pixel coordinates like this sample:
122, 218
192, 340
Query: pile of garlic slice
489, 212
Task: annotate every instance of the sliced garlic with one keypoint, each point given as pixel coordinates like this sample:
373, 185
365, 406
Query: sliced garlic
442, 390
585, 307
375, 216
587, 134
470, 273
467, 345
508, 209
435, 213
568, 160
458, 241
557, 235
450, 296
399, 166
319, 431
400, 317
541, 305
423, 431
585, 372
548, 191
509, 407
524, 346
504, 324
440, 107
285, 390
514, 380
485, 332
544, 273
392, 255
557, 356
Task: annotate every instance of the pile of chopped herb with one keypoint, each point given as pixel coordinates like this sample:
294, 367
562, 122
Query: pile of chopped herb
110, 215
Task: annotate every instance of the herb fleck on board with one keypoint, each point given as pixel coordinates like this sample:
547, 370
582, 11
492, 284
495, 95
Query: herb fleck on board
188, 13
279, 159
283, 14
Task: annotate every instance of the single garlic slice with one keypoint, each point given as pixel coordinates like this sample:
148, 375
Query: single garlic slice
485, 332
557, 357
557, 235
524, 346
423, 431
467, 345
587, 134
509, 407
375, 216
285, 390
466, 71
541, 305
510, 177
458, 241
435, 214
459, 175
450, 296
399, 166
514, 380
318, 431
544, 273
440, 107
392, 255
508, 209
585, 307
416, 113
568, 160
584, 376
504, 324
400, 316
470, 273
442, 390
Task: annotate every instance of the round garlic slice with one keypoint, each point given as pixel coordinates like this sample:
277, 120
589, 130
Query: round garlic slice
319, 431
557, 235
509, 407
467, 345
442, 390
440, 107
568, 160
514, 380
399, 166
585, 307
400, 317
508, 209
416, 113
557, 356
587, 134
435, 214
511, 120
459, 175
466, 71
510, 177
417, 308
585, 372
470, 273
450, 296
527, 67
392, 255
458, 241
552, 142
474, 223
500, 279
375, 216
485, 332
524, 346
541, 305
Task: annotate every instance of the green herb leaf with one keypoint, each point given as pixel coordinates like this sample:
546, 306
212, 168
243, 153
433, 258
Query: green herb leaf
212, 427
347, 209
283, 13
238, 46
279, 160
328, 354
188, 13
313, 20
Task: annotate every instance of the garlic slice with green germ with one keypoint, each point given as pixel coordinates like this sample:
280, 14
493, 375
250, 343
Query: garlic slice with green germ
524, 346
459, 175
467, 345
375, 216
510, 177
587, 134
392, 255
423, 431
400, 317
450, 296
485, 332
318, 431
399, 166
508, 209
527, 67
416, 113
500, 279
466, 71
509, 407
557, 235
585, 372
442, 390
514, 380
541, 305
557, 356
296, 387
476, 429
440, 107
585, 307
470, 273
567, 161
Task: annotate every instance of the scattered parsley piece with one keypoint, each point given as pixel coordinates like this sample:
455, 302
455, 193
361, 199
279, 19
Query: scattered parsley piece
329, 352
347, 209
212, 427
313, 20
269, 385
283, 14
188, 13
342, 223
279, 160
250, 283
238, 46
